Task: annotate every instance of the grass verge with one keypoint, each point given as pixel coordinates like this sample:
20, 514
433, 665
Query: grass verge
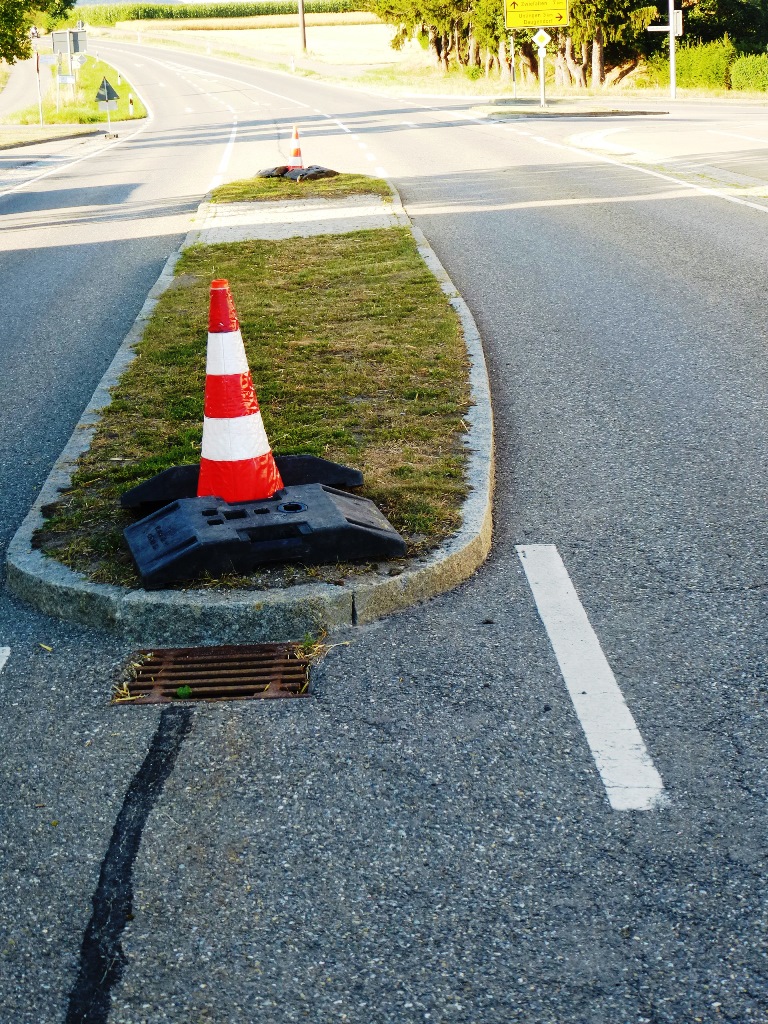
77, 104
356, 356
271, 189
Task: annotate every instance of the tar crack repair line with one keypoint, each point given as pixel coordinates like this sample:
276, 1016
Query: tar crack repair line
101, 957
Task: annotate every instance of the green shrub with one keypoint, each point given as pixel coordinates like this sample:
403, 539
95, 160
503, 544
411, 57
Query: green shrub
701, 66
473, 72
110, 14
750, 72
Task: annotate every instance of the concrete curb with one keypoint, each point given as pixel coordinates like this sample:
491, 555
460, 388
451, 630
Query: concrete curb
510, 113
238, 616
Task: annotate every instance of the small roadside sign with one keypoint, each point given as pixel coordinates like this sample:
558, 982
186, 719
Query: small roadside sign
79, 59
533, 13
48, 58
106, 93
107, 98
66, 79
542, 38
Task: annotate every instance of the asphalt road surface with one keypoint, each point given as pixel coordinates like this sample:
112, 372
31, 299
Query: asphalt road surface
449, 830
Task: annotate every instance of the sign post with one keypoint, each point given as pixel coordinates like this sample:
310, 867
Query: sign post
675, 28
107, 98
534, 14
514, 71
541, 39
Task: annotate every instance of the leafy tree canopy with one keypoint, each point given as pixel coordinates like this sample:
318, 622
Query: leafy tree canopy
16, 17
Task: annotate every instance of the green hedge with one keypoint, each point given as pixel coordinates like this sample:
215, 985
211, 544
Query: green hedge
750, 72
110, 14
703, 66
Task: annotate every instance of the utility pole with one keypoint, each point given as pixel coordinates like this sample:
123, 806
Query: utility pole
302, 27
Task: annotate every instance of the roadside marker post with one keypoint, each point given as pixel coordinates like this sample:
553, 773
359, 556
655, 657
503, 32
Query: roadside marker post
39, 90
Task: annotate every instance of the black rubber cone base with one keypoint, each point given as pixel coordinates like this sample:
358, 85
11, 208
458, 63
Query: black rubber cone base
181, 481
309, 523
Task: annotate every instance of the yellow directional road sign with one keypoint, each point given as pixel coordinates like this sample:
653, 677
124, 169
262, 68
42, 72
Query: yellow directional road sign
536, 13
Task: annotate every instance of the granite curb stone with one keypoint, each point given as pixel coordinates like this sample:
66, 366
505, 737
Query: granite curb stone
238, 616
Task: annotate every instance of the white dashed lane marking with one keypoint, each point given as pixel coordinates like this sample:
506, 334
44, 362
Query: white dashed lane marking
628, 773
5, 653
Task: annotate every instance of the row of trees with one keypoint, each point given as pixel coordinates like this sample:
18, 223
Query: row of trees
605, 38
16, 18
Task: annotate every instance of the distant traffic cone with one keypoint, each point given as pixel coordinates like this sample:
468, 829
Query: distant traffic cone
236, 462
295, 163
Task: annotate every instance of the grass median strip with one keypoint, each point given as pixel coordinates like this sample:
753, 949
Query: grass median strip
76, 104
254, 190
356, 356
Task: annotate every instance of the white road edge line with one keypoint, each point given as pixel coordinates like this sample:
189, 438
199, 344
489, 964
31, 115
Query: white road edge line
5, 653
600, 158
225, 157
631, 780
738, 135
62, 168
225, 78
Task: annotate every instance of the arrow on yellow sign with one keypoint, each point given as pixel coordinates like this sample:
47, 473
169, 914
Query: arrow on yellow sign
535, 13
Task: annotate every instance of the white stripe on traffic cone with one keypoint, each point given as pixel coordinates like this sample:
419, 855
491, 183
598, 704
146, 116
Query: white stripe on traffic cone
295, 162
236, 461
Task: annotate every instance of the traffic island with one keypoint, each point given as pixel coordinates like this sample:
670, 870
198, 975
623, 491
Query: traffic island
361, 351
511, 109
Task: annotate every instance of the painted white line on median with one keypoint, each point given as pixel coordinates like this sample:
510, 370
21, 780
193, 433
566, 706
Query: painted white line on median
738, 135
628, 773
5, 653
715, 193
225, 157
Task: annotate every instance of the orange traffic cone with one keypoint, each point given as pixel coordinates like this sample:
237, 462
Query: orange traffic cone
236, 462
295, 163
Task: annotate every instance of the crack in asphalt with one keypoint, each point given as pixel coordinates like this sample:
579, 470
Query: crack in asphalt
101, 956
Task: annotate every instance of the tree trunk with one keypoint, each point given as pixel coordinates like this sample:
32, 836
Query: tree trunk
528, 60
578, 72
457, 44
474, 52
562, 73
598, 61
504, 67
488, 59
435, 45
620, 72
445, 51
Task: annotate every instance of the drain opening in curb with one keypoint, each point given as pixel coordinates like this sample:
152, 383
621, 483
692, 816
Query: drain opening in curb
243, 672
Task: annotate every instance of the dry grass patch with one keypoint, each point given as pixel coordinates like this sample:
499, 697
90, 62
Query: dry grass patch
28, 135
356, 356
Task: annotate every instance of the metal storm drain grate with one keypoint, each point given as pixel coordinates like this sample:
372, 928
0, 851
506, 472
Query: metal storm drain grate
248, 672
